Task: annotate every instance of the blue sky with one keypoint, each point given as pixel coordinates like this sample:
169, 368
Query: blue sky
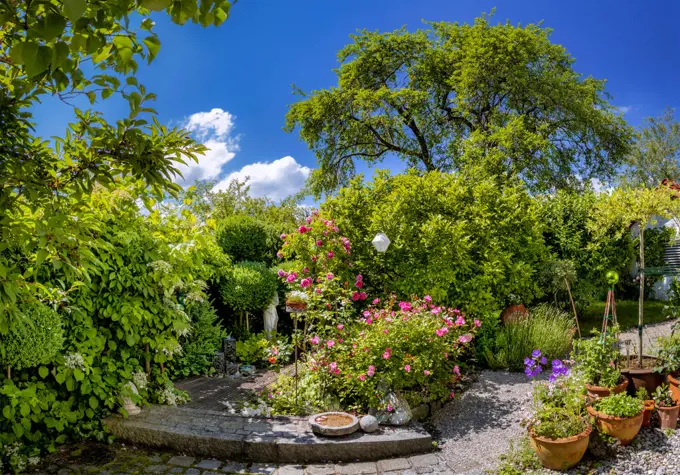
245, 69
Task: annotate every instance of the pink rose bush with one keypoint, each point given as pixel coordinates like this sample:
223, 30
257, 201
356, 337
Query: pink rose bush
401, 344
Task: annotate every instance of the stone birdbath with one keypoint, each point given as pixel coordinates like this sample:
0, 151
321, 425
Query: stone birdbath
333, 424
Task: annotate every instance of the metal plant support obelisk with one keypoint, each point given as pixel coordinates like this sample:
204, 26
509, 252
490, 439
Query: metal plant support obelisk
295, 313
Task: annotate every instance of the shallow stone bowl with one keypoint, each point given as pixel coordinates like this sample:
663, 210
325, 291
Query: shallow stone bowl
319, 428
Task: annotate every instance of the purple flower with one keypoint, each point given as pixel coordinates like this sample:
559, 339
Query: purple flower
536, 353
527, 361
544, 360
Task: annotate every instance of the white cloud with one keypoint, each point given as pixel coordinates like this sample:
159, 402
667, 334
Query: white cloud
214, 129
275, 180
625, 109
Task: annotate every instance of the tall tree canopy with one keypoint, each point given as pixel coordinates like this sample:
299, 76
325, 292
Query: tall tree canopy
457, 94
656, 154
71, 48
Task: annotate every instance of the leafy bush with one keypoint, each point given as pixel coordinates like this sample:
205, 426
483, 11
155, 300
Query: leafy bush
248, 287
669, 352
201, 343
467, 242
416, 346
547, 328
595, 358
35, 342
244, 238
619, 405
253, 350
663, 396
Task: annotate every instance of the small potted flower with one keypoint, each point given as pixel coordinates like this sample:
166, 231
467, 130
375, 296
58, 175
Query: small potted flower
667, 408
619, 416
596, 359
559, 430
296, 300
643, 395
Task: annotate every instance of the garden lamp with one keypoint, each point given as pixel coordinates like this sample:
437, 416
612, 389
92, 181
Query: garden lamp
381, 242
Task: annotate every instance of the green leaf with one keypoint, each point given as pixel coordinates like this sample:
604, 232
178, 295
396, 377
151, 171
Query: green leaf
60, 377
43, 372
131, 81
50, 27
220, 16
74, 9
92, 96
35, 58
94, 402
154, 45
156, 5
78, 374
59, 53
102, 54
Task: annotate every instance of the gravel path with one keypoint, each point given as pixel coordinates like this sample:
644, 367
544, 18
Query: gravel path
650, 334
478, 427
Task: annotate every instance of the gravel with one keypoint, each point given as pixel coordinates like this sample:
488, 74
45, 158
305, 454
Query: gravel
477, 428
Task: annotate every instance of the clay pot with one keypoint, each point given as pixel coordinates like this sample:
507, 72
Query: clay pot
296, 305
598, 392
623, 428
668, 416
647, 415
560, 454
514, 313
673, 383
645, 377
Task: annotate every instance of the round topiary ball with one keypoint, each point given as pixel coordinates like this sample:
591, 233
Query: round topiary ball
36, 340
249, 287
244, 239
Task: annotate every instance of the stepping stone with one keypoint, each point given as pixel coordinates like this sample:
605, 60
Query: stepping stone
209, 464
363, 468
234, 467
425, 460
192, 471
181, 461
320, 470
291, 470
393, 465
262, 469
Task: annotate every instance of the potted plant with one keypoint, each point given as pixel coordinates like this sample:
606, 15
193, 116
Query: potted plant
296, 300
596, 359
619, 416
643, 395
514, 310
667, 408
558, 428
669, 361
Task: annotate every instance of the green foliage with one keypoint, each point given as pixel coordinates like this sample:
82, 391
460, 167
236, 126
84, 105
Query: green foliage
311, 397
430, 97
249, 287
253, 350
519, 459
547, 328
619, 405
663, 396
244, 238
669, 353
656, 153
462, 240
36, 343
200, 344
595, 358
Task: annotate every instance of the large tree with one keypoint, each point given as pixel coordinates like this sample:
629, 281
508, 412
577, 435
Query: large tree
455, 94
656, 154
71, 48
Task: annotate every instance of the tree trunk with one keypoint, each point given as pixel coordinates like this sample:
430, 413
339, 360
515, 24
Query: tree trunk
573, 306
642, 292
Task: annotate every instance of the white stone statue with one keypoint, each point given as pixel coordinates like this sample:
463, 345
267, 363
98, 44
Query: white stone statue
271, 317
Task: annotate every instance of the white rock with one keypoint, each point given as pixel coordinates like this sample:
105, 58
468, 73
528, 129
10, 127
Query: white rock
368, 424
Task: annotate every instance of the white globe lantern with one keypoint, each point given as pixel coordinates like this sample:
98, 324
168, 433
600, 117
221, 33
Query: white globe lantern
381, 242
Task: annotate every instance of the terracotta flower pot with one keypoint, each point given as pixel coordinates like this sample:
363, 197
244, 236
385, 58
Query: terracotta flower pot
296, 305
560, 454
647, 415
623, 428
514, 313
644, 377
598, 392
673, 383
668, 416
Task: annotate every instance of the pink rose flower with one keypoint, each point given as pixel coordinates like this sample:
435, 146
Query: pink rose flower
478, 323
362, 377
315, 340
319, 243
282, 273
367, 313
376, 301
330, 343
318, 290
330, 254
460, 320
371, 370
436, 310
355, 296
427, 298
456, 370
279, 254
292, 277
313, 258
303, 229
386, 331
407, 368
359, 278
329, 276
283, 236
405, 306
340, 327
369, 321
465, 338
308, 219
359, 284
451, 396
306, 282
333, 366
426, 372
362, 295
441, 331
305, 270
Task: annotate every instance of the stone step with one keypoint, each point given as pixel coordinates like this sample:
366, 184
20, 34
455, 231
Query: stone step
267, 440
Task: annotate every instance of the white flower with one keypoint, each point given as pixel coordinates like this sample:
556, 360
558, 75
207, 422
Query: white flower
74, 360
140, 380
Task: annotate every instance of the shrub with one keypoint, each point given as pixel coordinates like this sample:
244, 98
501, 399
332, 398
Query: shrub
248, 287
468, 242
416, 346
200, 345
37, 341
595, 357
253, 350
547, 328
245, 238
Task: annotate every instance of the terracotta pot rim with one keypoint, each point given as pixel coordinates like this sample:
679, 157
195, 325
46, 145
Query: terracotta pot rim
564, 440
605, 388
638, 371
601, 415
665, 408
672, 379
649, 404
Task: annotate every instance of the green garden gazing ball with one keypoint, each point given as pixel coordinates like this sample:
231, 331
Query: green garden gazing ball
612, 277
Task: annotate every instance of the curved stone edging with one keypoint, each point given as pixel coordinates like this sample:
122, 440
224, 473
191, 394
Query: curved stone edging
274, 440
